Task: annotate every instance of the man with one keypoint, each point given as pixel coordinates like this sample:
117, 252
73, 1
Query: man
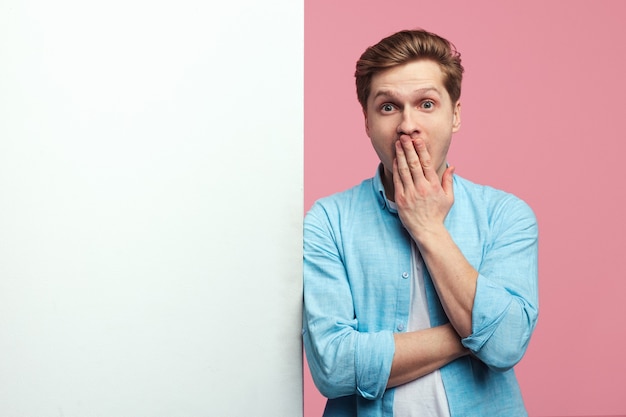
420, 287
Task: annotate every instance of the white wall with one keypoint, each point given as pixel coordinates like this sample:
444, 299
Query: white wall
150, 208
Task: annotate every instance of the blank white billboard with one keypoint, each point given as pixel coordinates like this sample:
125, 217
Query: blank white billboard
150, 208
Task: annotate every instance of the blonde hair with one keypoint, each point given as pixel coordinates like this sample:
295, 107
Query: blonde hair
406, 46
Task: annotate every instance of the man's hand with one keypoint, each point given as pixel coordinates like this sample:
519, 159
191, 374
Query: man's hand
423, 198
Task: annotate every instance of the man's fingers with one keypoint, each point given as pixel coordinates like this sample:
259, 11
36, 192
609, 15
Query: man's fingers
404, 169
397, 181
426, 163
412, 159
447, 181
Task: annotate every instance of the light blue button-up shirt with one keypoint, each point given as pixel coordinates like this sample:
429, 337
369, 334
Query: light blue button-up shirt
357, 258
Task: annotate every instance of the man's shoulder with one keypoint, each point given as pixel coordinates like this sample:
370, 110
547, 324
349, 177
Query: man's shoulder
355, 204
468, 193
356, 194
480, 191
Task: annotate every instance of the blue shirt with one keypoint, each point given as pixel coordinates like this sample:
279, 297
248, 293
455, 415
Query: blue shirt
357, 266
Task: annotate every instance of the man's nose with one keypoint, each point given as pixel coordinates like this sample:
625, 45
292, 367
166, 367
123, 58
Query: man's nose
408, 123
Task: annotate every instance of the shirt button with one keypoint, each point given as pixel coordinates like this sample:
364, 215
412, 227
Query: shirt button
400, 327
405, 275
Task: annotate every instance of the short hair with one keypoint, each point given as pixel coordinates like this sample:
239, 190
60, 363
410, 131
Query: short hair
407, 46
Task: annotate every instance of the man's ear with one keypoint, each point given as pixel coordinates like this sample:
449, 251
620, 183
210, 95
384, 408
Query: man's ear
456, 117
367, 128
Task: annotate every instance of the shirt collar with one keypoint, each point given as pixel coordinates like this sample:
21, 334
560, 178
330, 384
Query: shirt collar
379, 189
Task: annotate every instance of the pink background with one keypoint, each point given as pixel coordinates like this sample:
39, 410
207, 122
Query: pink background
543, 105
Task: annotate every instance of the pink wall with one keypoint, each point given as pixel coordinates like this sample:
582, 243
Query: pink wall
543, 101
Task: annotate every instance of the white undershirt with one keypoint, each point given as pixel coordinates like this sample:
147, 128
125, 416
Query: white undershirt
425, 396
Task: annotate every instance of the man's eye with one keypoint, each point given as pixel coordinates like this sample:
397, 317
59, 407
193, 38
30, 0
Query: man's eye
428, 105
387, 107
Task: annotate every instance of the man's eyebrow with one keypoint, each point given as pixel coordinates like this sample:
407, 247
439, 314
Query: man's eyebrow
393, 94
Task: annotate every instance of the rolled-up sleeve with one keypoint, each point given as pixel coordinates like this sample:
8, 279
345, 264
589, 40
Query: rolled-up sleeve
343, 361
506, 302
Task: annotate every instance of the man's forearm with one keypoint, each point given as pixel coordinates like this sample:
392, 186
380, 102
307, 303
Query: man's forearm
454, 278
422, 352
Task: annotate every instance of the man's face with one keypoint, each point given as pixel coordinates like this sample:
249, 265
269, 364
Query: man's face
410, 99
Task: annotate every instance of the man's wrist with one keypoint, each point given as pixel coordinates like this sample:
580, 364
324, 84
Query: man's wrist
431, 236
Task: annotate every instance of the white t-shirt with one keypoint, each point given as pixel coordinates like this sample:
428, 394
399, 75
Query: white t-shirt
425, 396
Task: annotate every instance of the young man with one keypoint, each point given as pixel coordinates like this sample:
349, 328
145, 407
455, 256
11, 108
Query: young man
420, 287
